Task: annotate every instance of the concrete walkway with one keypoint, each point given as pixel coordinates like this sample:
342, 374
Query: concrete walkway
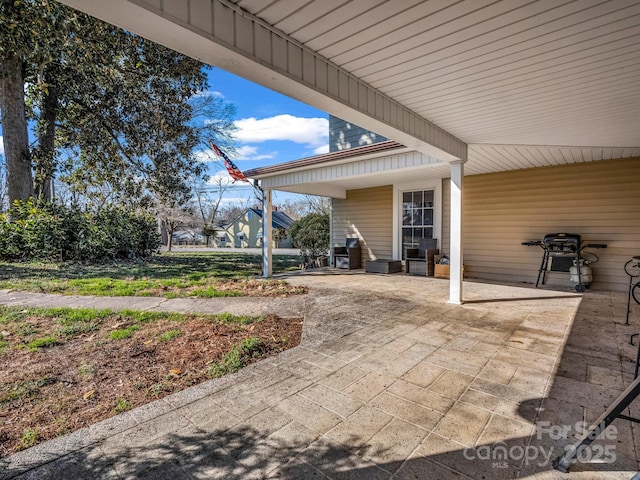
390, 382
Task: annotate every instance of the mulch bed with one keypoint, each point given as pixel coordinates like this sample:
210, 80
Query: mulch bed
84, 379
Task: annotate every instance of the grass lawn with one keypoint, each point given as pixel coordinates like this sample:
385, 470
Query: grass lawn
64, 369
197, 274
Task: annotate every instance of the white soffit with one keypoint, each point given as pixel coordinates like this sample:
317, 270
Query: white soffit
548, 72
496, 158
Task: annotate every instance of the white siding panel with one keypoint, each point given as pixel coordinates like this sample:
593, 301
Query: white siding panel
177, 8
200, 12
223, 27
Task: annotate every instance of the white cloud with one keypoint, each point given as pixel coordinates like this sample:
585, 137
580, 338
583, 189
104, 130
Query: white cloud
205, 156
246, 152
221, 177
321, 149
212, 93
308, 131
1, 145
249, 152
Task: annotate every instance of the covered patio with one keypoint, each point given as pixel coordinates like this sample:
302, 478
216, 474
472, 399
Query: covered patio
459, 87
388, 383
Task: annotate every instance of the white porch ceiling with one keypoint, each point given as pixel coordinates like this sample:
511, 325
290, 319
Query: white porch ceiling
548, 72
524, 83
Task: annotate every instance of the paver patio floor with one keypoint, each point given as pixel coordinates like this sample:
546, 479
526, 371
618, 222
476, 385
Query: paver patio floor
389, 382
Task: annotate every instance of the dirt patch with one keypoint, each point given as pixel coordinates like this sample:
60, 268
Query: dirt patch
51, 385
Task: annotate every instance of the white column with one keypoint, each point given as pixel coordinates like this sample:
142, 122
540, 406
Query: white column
330, 261
455, 247
267, 264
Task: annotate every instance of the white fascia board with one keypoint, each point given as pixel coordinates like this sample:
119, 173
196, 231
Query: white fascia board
340, 161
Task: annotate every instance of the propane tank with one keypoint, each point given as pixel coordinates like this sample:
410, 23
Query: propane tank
586, 274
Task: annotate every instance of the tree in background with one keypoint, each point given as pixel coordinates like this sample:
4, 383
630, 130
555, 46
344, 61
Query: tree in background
208, 198
230, 212
15, 45
299, 207
118, 116
311, 235
173, 214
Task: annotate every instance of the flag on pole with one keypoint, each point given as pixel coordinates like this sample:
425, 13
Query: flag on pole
234, 171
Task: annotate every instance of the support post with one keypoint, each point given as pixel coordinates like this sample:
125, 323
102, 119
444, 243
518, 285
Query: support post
455, 247
330, 262
267, 236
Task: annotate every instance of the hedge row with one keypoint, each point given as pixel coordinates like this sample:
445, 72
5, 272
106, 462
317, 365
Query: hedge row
56, 232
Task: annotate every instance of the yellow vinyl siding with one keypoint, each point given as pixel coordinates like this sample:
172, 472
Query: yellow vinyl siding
598, 200
366, 214
250, 227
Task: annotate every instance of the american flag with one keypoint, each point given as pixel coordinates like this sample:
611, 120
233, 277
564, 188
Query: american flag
234, 171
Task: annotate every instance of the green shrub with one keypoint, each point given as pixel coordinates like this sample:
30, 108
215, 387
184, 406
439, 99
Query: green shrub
56, 232
311, 235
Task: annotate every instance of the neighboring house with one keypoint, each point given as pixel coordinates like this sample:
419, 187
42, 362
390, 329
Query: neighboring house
246, 230
390, 196
188, 237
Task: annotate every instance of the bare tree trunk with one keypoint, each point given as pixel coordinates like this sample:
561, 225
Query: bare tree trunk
170, 229
45, 164
14, 129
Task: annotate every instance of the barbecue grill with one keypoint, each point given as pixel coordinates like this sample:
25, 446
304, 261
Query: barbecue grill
564, 252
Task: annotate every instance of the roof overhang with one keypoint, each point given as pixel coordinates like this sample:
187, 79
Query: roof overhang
332, 174
507, 84
389, 163
225, 34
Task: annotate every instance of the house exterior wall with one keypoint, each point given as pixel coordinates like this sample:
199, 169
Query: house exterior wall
598, 200
366, 214
344, 135
249, 227
249, 224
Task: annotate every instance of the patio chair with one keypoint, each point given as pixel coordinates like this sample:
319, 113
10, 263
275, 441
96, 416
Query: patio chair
348, 256
419, 261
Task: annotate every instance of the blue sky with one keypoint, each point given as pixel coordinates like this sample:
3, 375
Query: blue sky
272, 128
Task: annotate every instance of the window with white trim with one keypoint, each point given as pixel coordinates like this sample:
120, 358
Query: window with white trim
417, 218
